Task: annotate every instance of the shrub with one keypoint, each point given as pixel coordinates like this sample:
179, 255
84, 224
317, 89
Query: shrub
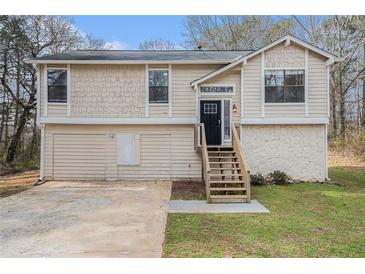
257, 179
278, 177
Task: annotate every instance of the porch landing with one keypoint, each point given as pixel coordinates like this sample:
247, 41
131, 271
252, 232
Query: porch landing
201, 206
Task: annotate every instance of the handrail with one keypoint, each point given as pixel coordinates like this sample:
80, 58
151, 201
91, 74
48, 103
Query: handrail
205, 156
203, 146
242, 161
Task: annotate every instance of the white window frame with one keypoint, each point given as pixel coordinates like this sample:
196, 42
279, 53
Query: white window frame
230, 119
203, 94
67, 69
168, 70
283, 103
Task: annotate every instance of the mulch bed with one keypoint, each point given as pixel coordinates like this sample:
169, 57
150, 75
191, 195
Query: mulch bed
188, 190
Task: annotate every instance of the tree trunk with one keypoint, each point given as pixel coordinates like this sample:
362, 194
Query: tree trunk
342, 114
17, 89
34, 142
341, 107
15, 141
333, 111
363, 95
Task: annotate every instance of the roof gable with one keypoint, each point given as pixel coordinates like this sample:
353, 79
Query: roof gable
287, 39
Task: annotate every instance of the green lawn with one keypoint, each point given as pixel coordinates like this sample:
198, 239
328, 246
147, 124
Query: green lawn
306, 220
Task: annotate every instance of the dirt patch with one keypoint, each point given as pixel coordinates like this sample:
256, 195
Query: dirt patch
188, 190
342, 158
16, 183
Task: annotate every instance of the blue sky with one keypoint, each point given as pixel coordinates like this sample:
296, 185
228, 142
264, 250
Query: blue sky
126, 32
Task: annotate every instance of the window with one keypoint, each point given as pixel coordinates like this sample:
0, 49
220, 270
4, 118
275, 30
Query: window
57, 85
158, 82
216, 89
210, 108
284, 86
227, 119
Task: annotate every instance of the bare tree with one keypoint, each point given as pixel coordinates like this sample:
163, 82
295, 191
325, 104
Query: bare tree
233, 32
21, 38
157, 44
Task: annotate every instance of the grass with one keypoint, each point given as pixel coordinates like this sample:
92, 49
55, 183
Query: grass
306, 220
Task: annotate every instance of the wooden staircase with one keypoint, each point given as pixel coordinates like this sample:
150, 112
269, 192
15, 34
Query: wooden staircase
225, 171
226, 182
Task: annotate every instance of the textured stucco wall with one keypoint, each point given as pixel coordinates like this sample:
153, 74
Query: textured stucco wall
284, 57
299, 150
107, 91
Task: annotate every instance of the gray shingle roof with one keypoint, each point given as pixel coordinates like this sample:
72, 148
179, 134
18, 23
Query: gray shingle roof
147, 55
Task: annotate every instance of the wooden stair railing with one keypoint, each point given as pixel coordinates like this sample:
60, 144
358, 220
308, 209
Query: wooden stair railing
205, 158
232, 182
242, 162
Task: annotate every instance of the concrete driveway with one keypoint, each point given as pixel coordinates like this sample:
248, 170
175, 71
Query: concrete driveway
85, 219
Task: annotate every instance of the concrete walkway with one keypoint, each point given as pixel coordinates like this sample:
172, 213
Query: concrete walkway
85, 219
199, 206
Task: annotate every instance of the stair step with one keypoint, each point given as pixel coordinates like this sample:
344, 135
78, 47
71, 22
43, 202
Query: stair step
222, 157
224, 163
223, 152
226, 182
225, 168
227, 188
225, 175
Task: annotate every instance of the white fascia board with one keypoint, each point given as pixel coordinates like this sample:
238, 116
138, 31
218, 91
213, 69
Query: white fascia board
118, 121
126, 62
285, 39
284, 121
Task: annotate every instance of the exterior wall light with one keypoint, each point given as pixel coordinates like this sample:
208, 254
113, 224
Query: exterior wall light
234, 108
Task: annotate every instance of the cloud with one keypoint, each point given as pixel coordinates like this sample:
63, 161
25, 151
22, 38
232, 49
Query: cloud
116, 45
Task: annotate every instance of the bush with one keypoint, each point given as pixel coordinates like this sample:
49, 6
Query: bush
257, 179
278, 177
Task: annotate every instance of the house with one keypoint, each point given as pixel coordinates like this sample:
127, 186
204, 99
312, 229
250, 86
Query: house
110, 115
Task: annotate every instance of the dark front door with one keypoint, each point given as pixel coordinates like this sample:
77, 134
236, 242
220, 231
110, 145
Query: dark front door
210, 115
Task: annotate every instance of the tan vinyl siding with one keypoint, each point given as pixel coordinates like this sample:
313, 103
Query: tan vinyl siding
283, 110
231, 77
158, 111
159, 66
252, 88
317, 86
59, 110
183, 96
166, 151
79, 156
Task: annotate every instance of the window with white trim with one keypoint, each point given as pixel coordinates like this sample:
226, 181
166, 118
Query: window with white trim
216, 89
57, 85
158, 86
227, 119
284, 86
210, 108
